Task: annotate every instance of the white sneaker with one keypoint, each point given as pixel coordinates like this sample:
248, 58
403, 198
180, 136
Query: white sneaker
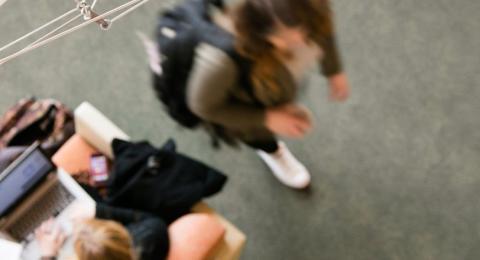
286, 167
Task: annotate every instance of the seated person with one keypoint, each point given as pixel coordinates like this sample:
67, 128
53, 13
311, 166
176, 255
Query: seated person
106, 232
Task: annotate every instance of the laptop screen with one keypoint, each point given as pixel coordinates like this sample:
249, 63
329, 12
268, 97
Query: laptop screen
22, 178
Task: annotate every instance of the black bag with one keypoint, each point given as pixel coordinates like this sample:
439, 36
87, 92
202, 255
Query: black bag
178, 33
159, 181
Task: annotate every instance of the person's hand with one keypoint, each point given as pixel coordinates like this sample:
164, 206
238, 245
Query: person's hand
50, 238
339, 88
81, 211
290, 120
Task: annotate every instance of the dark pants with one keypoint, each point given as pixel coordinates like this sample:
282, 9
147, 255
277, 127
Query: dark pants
269, 146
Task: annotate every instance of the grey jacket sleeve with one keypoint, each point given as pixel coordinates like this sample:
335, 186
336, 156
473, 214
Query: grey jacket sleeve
331, 63
209, 89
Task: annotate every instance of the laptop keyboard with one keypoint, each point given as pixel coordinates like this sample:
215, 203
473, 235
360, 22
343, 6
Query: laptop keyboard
50, 205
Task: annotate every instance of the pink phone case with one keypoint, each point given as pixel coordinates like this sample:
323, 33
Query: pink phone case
98, 169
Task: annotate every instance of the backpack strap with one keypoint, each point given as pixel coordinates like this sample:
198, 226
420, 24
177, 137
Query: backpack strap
206, 6
218, 3
225, 41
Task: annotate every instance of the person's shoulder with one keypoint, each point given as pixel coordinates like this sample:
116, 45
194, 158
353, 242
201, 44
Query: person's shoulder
150, 237
214, 56
147, 227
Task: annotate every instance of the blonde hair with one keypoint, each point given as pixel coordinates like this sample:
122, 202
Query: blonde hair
102, 240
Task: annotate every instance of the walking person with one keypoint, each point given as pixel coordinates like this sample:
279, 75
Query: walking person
246, 73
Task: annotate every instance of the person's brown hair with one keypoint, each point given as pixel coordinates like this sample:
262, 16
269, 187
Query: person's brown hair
102, 239
255, 20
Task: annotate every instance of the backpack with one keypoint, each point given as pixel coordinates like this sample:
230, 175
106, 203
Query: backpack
178, 32
30, 120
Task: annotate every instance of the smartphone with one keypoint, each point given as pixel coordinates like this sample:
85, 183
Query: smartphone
98, 170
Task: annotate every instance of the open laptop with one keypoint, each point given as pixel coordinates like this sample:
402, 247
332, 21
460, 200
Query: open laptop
31, 191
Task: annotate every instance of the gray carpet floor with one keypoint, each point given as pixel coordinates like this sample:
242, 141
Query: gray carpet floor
395, 168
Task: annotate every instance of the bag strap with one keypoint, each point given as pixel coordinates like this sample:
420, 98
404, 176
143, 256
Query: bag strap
218, 3
224, 41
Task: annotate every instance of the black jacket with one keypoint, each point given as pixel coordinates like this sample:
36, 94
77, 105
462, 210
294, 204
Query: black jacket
149, 233
159, 181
